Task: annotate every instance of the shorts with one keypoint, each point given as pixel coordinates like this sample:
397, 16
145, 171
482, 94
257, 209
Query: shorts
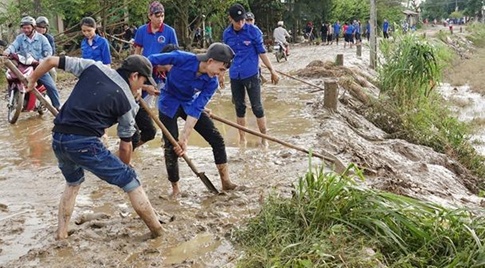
76, 153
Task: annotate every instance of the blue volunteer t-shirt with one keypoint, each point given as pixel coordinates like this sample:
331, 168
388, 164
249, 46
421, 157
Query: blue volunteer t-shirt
98, 51
184, 87
247, 44
350, 29
153, 43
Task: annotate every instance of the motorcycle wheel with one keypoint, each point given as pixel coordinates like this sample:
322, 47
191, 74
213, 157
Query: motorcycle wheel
15, 105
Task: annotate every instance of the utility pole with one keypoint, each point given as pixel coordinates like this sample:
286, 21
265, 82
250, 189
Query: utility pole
373, 35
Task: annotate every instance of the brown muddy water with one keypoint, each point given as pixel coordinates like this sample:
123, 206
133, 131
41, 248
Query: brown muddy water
198, 224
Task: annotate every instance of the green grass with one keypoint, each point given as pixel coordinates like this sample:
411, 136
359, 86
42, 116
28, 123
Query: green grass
332, 221
478, 34
411, 109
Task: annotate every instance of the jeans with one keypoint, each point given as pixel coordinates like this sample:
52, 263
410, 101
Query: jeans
205, 127
52, 92
253, 87
76, 153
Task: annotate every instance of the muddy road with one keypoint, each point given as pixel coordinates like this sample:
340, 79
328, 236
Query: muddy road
198, 225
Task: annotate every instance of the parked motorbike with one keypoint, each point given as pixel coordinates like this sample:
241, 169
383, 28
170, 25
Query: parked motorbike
18, 100
280, 51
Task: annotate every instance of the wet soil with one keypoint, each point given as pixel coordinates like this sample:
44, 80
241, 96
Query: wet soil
105, 231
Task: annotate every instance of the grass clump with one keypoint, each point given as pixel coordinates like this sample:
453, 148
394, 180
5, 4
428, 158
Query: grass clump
331, 221
412, 110
478, 36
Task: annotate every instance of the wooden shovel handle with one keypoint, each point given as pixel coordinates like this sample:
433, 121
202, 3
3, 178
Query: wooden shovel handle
9, 64
172, 140
339, 166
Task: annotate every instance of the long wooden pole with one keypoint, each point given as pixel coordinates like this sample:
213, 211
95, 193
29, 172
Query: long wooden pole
300, 80
24, 80
339, 166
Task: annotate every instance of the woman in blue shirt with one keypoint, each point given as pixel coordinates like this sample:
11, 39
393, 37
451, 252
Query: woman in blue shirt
94, 46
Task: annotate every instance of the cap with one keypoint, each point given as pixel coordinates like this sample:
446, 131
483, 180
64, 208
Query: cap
219, 52
156, 7
280, 23
140, 64
237, 12
250, 16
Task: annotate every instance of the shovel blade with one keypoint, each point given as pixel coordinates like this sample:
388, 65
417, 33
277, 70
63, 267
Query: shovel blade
207, 182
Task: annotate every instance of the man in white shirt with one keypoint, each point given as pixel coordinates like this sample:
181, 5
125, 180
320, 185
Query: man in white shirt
280, 34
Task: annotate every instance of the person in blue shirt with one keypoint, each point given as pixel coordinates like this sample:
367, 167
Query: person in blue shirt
94, 46
32, 43
42, 27
247, 42
385, 29
101, 98
191, 83
150, 39
367, 30
336, 31
145, 130
349, 35
153, 36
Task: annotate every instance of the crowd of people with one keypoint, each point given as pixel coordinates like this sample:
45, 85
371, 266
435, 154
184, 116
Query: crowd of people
102, 97
183, 82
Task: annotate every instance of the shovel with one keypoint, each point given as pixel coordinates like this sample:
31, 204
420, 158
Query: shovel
172, 140
338, 165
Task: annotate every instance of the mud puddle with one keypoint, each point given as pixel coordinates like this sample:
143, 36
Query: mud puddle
197, 237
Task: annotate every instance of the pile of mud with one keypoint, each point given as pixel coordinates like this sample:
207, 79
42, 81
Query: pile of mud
318, 68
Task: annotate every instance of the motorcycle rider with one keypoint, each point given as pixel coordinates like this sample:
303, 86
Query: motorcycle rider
280, 34
42, 27
36, 45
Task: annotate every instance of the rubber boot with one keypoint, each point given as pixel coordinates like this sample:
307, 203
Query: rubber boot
262, 128
242, 135
144, 209
66, 207
224, 174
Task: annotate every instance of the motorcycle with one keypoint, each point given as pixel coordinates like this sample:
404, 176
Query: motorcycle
280, 51
18, 100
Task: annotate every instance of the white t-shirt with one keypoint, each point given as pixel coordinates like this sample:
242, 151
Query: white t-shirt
280, 34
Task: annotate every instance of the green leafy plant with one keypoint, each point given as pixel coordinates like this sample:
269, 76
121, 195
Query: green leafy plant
333, 221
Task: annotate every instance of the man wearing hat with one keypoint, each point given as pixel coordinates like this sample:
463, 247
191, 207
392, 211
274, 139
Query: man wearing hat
191, 83
247, 42
101, 98
150, 39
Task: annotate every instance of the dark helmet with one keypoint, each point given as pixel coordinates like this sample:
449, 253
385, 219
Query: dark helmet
28, 20
42, 21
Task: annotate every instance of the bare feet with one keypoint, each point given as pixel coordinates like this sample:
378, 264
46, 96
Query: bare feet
264, 144
61, 234
157, 232
227, 186
175, 190
243, 142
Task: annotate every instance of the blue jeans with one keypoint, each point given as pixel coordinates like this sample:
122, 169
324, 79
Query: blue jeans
52, 92
252, 86
76, 153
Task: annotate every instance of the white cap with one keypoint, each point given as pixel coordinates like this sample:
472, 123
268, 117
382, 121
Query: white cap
280, 23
